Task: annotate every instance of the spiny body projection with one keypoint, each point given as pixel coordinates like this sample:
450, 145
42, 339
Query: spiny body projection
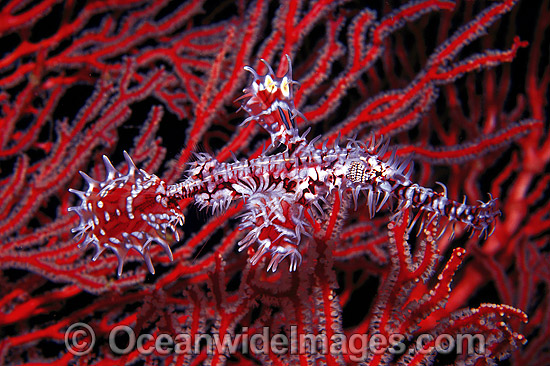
283, 193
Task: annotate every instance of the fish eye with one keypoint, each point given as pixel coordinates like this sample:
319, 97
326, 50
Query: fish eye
270, 84
285, 89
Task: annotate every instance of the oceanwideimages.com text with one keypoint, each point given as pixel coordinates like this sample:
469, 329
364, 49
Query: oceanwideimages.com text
80, 339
